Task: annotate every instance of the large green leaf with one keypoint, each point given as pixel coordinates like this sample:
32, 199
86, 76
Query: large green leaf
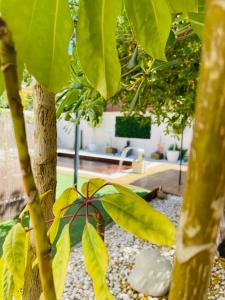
52, 232
66, 198
136, 216
151, 21
183, 6
7, 284
60, 261
92, 186
197, 19
14, 254
96, 44
96, 261
41, 31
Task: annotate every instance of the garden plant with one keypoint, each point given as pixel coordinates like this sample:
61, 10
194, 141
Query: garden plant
127, 209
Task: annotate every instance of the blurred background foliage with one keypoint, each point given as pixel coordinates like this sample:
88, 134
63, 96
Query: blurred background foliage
163, 90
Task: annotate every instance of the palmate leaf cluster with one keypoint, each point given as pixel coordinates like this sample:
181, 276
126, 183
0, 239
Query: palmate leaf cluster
128, 210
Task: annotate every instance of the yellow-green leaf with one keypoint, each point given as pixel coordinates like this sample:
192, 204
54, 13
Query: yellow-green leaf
14, 254
136, 216
96, 44
52, 232
96, 261
183, 6
92, 186
41, 31
67, 197
60, 261
151, 21
1, 273
7, 283
198, 19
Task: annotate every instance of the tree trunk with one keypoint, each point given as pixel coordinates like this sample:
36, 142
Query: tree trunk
45, 146
205, 187
43, 250
44, 167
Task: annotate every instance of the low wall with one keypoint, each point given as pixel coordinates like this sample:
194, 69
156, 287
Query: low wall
105, 135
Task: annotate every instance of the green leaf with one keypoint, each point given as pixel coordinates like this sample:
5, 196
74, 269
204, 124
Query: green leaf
197, 19
14, 254
60, 261
52, 232
1, 273
7, 284
183, 6
96, 44
41, 31
68, 100
92, 186
66, 198
151, 21
96, 261
136, 216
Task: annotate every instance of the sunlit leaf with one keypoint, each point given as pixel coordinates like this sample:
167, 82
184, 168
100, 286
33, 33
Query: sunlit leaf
52, 232
183, 6
96, 44
66, 198
26, 246
14, 254
136, 216
92, 186
151, 21
60, 261
197, 19
96, 261
41, 31
7, 283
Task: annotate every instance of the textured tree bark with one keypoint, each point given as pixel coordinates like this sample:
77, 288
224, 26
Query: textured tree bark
44, 167
43, 251
45, 146
205, 187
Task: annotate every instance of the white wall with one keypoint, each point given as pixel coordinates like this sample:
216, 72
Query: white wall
105, 135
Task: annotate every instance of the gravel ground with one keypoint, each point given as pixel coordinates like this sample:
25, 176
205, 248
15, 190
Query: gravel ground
123, 249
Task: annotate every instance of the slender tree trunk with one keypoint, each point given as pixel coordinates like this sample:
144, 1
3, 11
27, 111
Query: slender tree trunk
205, 187
9, 67
44, 167
45, 146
